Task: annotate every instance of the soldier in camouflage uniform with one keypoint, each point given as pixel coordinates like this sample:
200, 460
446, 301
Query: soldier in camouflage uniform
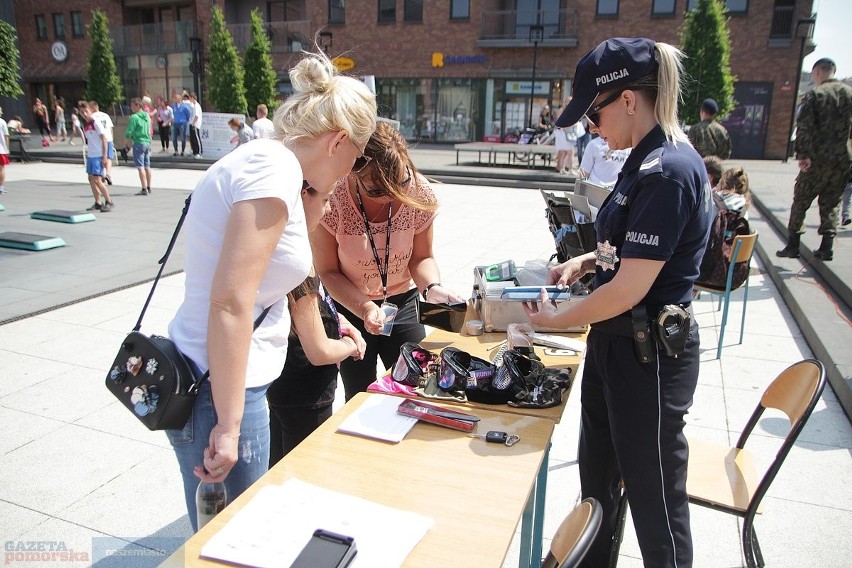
824, 152
708, 137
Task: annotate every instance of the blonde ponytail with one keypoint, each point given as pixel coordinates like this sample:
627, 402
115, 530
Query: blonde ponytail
670, 67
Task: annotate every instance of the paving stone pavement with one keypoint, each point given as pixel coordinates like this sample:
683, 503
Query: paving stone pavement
79, 472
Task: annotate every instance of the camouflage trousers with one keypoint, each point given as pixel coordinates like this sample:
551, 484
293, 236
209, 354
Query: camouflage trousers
825, 183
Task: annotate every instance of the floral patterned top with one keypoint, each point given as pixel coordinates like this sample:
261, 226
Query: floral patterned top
354, 253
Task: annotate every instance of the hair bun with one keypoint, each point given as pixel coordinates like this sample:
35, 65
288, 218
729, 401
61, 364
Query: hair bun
314, 73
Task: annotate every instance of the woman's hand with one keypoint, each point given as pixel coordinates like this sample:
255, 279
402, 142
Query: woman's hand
360, 346
541, 313
440, 295
220, 455
374, 318
565, 274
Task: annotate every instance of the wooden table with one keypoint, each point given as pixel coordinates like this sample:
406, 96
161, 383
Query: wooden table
475, 491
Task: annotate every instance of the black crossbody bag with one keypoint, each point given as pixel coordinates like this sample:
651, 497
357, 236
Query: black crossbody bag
150, 376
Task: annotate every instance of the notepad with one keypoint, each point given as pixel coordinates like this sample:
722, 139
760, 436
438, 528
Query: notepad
377, 418
274, 526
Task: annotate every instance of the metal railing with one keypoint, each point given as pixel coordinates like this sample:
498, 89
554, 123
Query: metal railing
515, 24
163, 37
782, 22
284, 36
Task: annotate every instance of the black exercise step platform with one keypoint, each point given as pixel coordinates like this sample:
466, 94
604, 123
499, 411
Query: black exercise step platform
27, 241
62, 216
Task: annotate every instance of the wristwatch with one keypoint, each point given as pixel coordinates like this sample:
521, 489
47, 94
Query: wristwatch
429, 287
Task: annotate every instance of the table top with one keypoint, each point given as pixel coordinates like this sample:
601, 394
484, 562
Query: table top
474, 490
486, 346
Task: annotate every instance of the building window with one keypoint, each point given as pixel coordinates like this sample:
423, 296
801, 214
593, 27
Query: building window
387, 10
41, 27
734, 6
285, 10
59, 26
413, 11
607, 8
459, 9
77, 27
336, 12
737, 6
663, 8
782, 19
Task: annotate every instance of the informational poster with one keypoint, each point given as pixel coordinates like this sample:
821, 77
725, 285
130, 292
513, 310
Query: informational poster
217, 138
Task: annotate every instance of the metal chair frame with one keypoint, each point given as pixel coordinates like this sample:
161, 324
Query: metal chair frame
743, 250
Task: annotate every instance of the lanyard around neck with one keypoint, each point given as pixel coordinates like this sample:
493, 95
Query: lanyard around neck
383, 272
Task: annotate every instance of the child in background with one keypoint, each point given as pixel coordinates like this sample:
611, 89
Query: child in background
243, 130
76, 127
713, 165
733, 191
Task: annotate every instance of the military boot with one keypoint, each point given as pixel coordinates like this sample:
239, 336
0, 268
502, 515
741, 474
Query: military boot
824, 251
792, 248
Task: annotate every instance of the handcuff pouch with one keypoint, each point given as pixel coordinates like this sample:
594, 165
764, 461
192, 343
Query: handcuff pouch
671, 329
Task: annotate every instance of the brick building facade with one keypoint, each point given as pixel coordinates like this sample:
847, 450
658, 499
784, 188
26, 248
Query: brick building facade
448, 70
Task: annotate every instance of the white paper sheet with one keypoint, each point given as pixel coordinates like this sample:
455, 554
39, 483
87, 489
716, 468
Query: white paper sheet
275, 525
377, 418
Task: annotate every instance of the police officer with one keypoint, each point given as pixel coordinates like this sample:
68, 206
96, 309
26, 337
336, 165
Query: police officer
823, 151
651, 235
708, 137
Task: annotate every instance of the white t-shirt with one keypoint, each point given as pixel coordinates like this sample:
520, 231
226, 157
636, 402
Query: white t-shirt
263, 128
196, 114
105, 122
4, 136
601, 164
265, 168
92, 132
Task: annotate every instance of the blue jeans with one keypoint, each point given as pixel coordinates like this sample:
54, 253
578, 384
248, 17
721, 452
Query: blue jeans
141, 155
190, 442
179, 133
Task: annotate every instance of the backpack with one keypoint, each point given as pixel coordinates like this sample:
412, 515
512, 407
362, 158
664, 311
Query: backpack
717, 256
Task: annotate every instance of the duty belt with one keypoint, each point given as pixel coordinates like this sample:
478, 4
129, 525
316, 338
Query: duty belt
622, 325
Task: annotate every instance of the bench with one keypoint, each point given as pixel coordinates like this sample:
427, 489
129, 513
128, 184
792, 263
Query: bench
17, 151
525, 153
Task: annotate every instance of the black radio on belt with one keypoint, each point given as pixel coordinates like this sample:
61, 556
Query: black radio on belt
670, 328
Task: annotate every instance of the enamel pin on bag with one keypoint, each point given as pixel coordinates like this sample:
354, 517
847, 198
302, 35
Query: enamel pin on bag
150, 376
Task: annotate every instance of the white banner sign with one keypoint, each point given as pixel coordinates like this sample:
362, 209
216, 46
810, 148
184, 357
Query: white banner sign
217, 138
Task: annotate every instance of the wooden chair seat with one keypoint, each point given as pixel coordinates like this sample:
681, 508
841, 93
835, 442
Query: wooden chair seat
721, 476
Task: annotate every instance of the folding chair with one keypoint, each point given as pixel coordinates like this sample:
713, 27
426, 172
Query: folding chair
742, 251
725, 478
574, 536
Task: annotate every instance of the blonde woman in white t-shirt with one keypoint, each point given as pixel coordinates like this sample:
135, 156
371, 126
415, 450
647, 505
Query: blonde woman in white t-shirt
246, 239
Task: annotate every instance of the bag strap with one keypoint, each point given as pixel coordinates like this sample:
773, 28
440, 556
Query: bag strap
162, 261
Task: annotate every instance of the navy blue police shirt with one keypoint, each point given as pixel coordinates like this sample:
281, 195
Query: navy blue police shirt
659, 209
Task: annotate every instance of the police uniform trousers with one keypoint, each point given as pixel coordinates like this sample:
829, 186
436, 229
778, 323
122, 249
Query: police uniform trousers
632, 429
825, 182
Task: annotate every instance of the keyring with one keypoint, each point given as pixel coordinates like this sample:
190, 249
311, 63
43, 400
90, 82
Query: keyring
512, 439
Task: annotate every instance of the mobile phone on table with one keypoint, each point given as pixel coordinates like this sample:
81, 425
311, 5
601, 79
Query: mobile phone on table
326, 549
532, 293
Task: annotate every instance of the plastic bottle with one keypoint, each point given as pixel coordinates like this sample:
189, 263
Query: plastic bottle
210, 499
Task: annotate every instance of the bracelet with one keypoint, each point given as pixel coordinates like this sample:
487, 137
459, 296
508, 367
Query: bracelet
231, 436
429, 287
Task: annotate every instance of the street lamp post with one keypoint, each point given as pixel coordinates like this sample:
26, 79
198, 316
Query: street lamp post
325, 40
195, 65
804, 31
536, 35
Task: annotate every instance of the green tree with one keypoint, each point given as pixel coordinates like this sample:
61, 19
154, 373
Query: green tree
10, 70
705, 39
102, 82
260, 76
224, 68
